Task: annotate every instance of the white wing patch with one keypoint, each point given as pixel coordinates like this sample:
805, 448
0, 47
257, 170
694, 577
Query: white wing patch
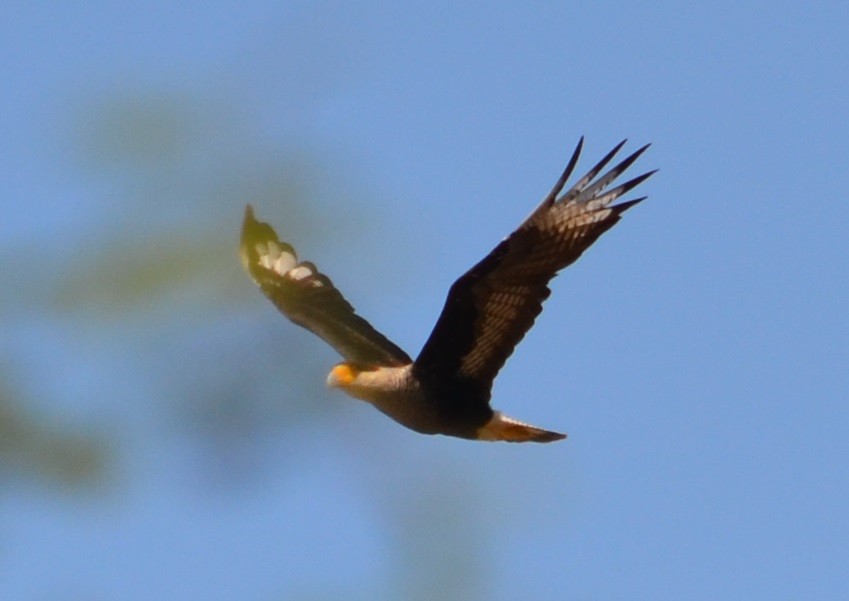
272, 256
299, 273
284, 263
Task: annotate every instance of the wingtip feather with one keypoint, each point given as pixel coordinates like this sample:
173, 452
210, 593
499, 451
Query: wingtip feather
567, 173
624, 206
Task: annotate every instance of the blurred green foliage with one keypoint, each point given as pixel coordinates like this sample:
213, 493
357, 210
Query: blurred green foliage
35, 446
154, 273
151, 299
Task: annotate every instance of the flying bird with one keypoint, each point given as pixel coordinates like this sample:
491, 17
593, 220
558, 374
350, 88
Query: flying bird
446, 390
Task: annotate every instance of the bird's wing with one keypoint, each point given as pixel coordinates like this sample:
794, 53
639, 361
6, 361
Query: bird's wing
491, 307
309, 298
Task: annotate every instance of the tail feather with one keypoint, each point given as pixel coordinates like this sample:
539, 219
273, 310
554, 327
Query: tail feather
501, 427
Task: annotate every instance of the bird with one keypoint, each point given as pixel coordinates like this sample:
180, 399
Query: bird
488, 310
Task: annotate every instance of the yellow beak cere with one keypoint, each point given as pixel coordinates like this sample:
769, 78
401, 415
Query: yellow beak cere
340, 375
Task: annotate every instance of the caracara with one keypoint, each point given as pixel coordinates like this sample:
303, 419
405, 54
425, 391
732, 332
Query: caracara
446, 390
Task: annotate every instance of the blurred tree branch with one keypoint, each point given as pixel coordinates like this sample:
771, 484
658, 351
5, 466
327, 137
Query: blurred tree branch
155, 285
35, 446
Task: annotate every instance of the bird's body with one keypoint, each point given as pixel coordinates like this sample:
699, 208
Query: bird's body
446, 390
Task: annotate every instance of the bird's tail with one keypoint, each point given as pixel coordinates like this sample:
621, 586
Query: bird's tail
501, 427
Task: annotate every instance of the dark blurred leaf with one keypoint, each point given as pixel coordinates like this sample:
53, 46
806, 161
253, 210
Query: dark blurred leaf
33, 445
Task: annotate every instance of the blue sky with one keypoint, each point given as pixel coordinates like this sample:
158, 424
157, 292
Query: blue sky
697, 356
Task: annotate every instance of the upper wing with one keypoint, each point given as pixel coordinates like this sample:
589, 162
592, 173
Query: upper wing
491, 307
309, 298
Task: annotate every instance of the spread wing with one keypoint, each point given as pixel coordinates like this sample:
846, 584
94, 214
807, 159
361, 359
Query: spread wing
491, 308
309, 298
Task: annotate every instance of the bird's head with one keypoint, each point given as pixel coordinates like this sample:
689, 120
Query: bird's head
368, 383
